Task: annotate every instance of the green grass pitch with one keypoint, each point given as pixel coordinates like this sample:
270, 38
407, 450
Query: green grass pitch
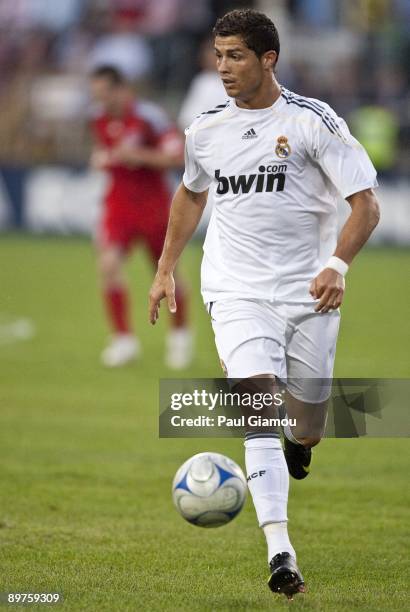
85, 504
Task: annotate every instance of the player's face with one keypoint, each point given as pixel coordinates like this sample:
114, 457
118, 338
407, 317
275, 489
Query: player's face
239, 67
104, 92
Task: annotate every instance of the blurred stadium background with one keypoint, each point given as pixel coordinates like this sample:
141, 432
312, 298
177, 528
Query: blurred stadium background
353, 54
85, 505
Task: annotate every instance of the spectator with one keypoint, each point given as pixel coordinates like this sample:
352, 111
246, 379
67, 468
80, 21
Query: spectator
123, 48
377, 129
174, 28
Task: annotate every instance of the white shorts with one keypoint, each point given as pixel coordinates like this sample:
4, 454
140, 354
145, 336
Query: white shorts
289, 340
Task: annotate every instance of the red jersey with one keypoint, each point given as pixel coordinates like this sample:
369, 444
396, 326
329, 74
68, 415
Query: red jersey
143, 124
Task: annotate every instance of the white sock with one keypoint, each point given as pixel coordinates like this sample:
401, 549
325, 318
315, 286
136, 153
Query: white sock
268, 482
277, 539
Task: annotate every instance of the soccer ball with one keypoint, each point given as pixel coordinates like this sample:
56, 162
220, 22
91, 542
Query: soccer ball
209, 490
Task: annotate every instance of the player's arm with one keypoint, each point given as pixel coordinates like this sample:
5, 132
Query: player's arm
351, 172
186, 211
100, 152
328, 286
148, 157
102, 159
164, 146
99, 158
356, 231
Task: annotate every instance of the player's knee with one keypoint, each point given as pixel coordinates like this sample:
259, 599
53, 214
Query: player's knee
309, 441
257, 401
109, 268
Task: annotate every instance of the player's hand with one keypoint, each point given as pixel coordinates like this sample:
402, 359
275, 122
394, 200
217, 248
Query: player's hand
100, 159
162, 287
125, 155
328, 287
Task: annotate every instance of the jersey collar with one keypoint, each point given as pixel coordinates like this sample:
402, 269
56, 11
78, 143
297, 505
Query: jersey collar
266, 110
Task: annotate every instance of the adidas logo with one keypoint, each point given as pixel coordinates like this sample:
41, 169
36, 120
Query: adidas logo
249, 134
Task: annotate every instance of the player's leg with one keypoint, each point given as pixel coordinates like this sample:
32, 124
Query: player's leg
124, 346
299, 440
310, 358
268, 482
179, 341
242, 329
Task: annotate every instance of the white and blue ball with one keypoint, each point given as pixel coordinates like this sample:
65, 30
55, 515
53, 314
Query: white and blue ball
209, 490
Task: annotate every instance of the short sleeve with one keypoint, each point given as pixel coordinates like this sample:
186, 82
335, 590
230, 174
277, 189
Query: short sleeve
341, 156
195, 178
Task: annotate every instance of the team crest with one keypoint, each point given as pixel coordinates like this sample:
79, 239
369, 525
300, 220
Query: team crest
282, 148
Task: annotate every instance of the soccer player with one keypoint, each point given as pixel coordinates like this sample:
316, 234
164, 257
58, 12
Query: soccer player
273, 267
136, 144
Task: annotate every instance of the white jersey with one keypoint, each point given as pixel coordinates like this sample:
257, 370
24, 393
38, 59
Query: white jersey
274, 175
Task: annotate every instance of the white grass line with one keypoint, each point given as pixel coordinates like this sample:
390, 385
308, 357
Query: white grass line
17, 330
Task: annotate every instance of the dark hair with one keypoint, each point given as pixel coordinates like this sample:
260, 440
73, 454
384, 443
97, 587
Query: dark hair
111, 73
256, 29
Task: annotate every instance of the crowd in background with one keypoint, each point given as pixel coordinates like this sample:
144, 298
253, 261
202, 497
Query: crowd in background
354, 54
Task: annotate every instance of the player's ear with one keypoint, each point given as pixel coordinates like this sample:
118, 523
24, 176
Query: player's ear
269, 60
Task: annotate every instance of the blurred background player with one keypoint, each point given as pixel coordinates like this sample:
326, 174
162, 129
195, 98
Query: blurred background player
136, 144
